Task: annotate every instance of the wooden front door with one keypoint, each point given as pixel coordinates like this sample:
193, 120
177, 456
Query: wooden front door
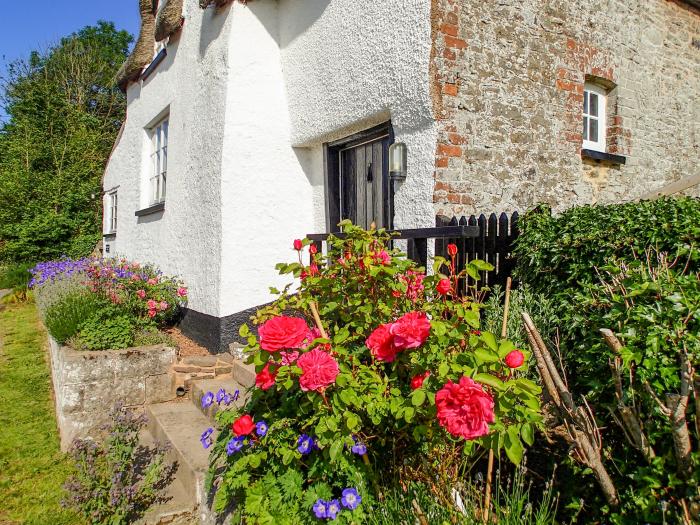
358, 179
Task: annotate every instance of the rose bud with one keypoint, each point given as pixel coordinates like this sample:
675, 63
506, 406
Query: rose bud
452, 250
313, 249
298, 245
417, 380
515, 359
444, 286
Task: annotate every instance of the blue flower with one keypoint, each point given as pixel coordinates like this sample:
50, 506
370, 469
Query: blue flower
227, 399
207, 400
359, 448
220, 395
261, 428
306, 444
351, 499
320, 509
206, 438
236, 394
332, 509
234, 445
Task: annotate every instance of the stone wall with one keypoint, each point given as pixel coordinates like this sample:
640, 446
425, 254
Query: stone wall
508, 89
87, 384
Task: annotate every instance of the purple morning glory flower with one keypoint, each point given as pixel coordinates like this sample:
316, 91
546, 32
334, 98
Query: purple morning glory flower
359, 448
351, 499
207, 400
306, 444
261, 428
234, 445
220, 395
332, 509
236, 394
319, 509
206, 438
227, 399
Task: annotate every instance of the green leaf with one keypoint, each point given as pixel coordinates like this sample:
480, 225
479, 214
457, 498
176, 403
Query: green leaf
443, 369
408, 414
527, 432
336, 447
418, 397
514, 448
488, 379
490, 340
482, 265
485, 356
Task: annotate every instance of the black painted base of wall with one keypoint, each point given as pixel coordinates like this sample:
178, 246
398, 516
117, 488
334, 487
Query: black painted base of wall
215, 333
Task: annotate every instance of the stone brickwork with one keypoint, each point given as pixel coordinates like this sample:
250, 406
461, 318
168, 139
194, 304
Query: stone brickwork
88, 384
508, 82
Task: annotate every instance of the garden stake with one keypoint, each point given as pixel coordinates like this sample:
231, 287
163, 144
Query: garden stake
489, 471
631, 424
317, 319
582, 431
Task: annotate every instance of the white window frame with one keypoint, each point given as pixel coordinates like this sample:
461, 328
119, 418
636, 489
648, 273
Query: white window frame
157, 182
591, 90
112, 214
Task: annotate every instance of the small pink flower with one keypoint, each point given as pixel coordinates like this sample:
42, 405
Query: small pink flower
135, 277
289, 358
182, 292
151, 313
298, 245
141, 293
152, 305
163, 305
152, 281
382, 258
515, 359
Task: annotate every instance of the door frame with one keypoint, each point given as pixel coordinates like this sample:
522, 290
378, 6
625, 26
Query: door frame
331, 171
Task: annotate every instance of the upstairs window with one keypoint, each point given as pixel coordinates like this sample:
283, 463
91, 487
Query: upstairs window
159, 161
594, 120
112, 212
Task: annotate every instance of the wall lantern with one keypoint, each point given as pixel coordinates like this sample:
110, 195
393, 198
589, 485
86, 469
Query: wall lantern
397, 161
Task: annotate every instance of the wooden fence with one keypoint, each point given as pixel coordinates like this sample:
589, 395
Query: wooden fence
493, 244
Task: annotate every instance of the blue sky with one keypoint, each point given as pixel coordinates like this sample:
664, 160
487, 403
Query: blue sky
25, 26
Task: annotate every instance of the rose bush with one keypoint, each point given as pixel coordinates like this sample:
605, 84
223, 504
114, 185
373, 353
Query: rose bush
370, 372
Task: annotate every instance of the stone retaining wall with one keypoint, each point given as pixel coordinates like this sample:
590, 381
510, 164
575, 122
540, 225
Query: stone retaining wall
88, 384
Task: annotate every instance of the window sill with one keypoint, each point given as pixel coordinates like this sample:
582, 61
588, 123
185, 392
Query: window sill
601, 155
154, 64
153, 208
109, 236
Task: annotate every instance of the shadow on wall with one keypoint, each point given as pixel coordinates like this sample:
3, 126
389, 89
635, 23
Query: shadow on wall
306, 14
213, 22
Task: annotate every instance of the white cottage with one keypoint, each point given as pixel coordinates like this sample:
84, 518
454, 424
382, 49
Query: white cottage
252, 124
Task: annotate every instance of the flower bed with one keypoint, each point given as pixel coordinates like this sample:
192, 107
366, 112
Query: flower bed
371, 374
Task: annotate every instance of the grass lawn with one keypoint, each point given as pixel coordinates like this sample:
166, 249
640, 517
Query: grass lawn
32, 468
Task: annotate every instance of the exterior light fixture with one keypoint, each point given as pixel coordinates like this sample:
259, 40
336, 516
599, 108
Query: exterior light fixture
397, 161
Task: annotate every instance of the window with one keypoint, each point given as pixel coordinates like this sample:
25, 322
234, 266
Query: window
112, 212
159, 161
594, 123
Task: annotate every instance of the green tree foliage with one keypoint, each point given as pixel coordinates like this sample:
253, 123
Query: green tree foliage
64, 112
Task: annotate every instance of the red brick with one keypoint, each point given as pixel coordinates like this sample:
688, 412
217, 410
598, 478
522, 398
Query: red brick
571, 44
446, 150
456, 138
574, 137
457, 43
450, 89
466, 199
452, 18
449, 54
453, 199
442, 162
442, 186
450, 128
449, 29
565, 85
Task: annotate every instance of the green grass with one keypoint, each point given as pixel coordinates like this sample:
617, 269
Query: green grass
32, 468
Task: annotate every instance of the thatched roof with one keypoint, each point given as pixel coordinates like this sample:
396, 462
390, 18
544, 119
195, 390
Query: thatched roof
168, 19
142, 54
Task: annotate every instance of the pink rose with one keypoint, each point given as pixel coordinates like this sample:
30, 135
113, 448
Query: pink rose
265, 378
152, 305
515, 359
141, 293
411, 330
313, 334
152, 281
381, 257
417, 380
182, 292
464, 409
318, 368
381, 343
135, 277
163, 305
452, 250
289, 358
151, 313
243, 426
283, 332
298, 245
444, 286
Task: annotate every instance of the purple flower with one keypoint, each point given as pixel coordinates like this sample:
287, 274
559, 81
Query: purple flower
236, 394
207, 400
220, 395
228, 398
261, 428
206, 438
351, 499
359, 448
234, 445
332, 509
319, 509
306, 444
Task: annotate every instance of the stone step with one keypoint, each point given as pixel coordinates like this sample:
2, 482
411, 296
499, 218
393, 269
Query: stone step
244, 374
176, 507
180, 424
200, 387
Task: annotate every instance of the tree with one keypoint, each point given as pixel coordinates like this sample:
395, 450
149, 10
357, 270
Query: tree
64, 112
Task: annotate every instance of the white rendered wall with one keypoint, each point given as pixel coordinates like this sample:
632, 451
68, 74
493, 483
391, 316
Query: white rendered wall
185, 239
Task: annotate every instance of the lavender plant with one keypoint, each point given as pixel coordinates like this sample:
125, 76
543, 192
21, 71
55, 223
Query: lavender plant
115, 481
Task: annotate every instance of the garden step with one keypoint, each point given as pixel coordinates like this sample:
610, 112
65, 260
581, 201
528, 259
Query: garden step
202, 386
244, 374
180, 424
